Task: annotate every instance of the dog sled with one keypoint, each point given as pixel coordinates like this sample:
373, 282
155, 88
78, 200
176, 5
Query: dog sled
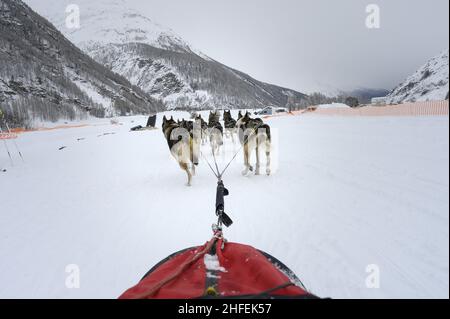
219, 269
151, 125
141, 128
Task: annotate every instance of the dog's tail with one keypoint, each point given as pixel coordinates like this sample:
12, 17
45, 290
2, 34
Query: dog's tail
266, 128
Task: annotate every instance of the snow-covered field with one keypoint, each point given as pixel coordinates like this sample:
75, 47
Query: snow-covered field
333, 105
347, 193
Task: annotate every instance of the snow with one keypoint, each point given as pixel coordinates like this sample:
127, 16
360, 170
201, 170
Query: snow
373, 192
212, 266
212, 263
96, 97
333, 105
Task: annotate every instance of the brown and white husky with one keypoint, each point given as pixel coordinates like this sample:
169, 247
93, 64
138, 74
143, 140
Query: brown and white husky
182, 146
254, 134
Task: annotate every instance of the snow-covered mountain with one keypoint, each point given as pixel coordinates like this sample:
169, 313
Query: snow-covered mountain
429, 83
110, 21
43, 75
158, 61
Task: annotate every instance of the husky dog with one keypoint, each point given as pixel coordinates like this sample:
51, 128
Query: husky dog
214, 117
181, 145
196, 134
230, 125
167, 121
215, 132
188, 125
201, 123
253, 134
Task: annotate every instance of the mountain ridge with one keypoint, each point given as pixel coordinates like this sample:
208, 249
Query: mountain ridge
43, 75
163, 64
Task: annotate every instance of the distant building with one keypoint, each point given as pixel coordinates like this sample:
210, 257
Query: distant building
379, 101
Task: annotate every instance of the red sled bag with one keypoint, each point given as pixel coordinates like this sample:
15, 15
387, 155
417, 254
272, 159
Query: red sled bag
219, 270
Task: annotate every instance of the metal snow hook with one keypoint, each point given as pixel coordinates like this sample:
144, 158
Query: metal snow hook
6, 146
14, 141
2, 116
7, 149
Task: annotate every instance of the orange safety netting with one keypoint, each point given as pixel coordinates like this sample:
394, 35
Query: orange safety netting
431, 108
8, 136
23, 130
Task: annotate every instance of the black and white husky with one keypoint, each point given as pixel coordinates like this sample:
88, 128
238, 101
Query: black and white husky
253, 135
230, 125
215, 130
182, 146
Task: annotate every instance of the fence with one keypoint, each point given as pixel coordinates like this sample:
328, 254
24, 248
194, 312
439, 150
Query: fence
431, 108
7, 136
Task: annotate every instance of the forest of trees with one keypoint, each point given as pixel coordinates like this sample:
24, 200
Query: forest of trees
162, 73
318, 98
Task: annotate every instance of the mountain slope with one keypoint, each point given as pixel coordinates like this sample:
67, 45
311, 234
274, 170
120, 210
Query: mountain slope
428, 83
43, 75
161, 63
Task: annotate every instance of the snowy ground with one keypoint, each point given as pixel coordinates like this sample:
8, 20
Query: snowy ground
333, 105
347, 193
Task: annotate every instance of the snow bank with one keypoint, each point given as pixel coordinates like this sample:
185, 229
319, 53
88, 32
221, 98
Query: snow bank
332, 106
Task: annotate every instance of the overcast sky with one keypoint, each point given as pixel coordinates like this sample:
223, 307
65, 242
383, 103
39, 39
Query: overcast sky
309, 44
